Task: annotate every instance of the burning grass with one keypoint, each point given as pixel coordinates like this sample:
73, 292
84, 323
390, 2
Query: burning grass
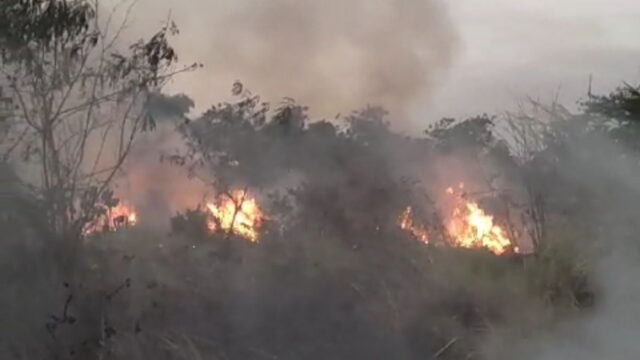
467, 225
120, 216
407, 223
236, 213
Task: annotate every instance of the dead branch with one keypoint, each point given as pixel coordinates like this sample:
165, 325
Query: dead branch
444, 348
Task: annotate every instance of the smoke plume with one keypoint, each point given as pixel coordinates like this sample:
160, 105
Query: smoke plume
334, 56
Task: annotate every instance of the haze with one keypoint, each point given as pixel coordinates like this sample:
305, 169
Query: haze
423, 60
537, 48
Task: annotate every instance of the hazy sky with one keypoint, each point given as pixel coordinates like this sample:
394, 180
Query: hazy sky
479, 55
510, 49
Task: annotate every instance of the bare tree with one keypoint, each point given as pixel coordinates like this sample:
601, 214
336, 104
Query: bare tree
79, 100
529, 132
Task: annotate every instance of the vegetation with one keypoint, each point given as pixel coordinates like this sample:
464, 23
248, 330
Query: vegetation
332, 275
79, 101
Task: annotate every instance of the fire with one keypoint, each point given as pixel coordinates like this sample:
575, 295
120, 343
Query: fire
121, 216
471, 227
467, 225
236, 213
406, 223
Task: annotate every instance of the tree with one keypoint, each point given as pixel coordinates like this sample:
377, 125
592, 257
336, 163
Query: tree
618, 113
80, 100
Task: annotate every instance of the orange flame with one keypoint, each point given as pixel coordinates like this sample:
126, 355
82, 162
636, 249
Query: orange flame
471, 227
406, 223
237, 213
121, 216
467, 226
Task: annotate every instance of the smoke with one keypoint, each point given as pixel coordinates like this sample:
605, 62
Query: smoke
335, 278
609, 172
159, 189
334, 56
610, 333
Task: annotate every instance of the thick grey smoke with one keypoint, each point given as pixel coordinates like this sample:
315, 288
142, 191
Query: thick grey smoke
609, 330
332, 55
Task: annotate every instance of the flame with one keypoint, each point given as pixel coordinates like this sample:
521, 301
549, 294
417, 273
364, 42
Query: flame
236, 213
121, 216
406, 223
471, 227
467, 226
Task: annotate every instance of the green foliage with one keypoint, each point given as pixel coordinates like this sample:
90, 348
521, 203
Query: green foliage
623, 104
64, 73
476, 132
618, 114
560, 276
192, 223
28, 23
332, 275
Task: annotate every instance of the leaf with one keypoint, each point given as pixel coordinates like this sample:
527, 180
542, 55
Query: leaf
237, 88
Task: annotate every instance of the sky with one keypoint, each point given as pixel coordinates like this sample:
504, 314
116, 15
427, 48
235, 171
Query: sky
513, 49
422, 59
